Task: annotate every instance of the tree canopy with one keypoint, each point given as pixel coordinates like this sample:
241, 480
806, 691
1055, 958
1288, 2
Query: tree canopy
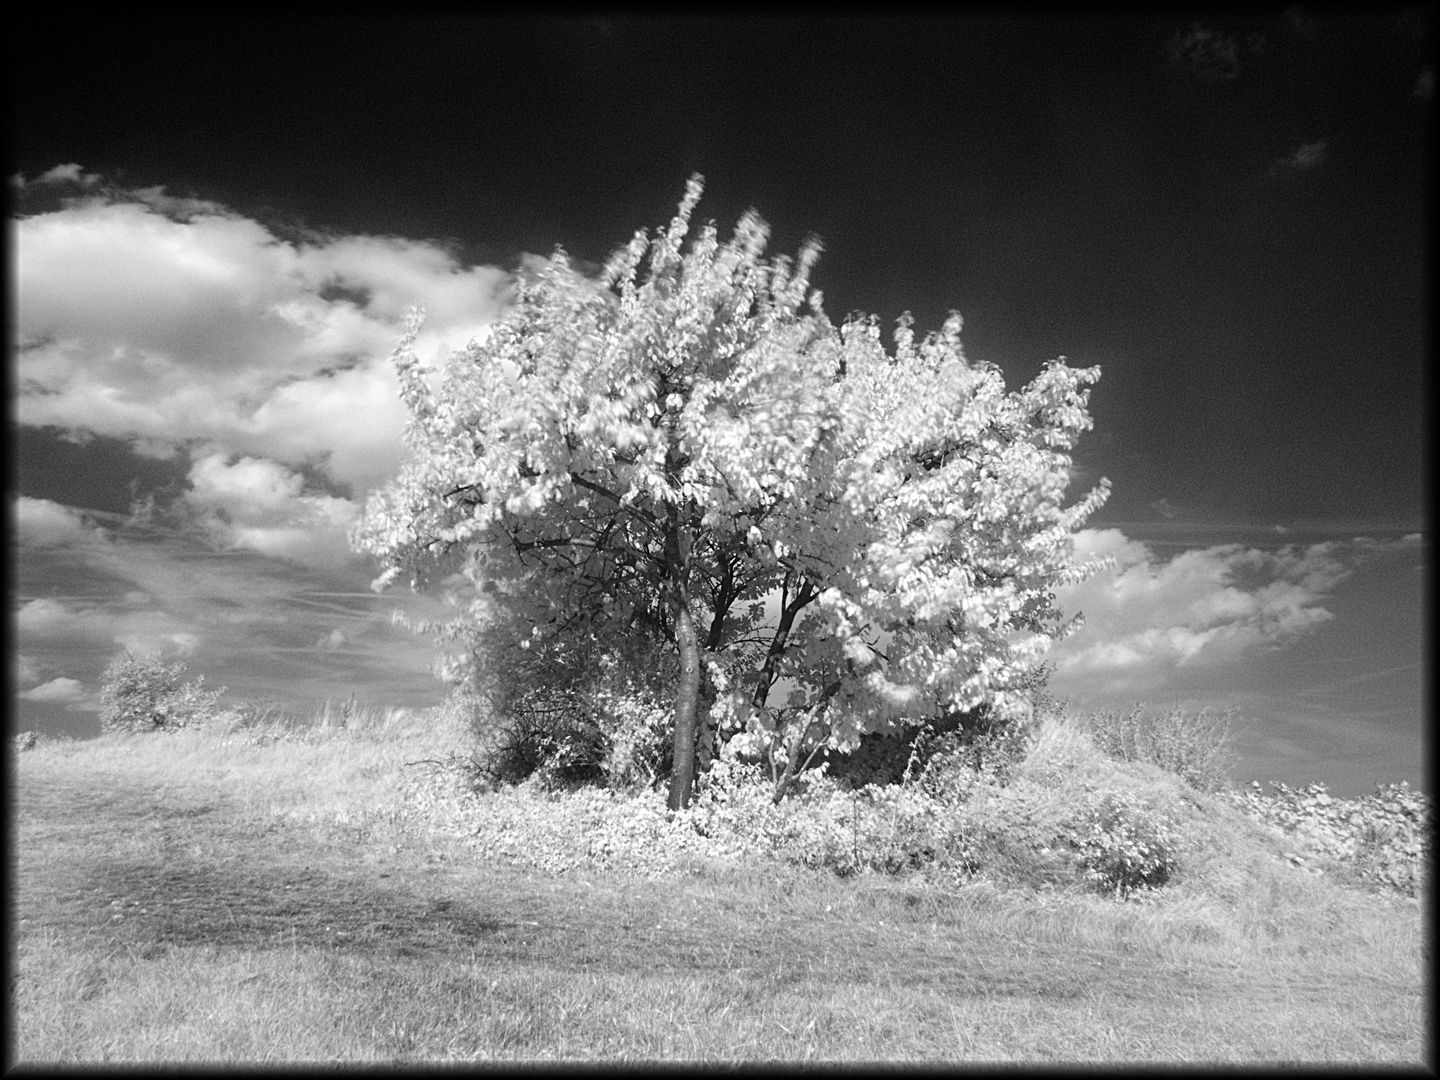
687, 448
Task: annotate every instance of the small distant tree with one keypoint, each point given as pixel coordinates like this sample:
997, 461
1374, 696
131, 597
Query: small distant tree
139, 693
660, 452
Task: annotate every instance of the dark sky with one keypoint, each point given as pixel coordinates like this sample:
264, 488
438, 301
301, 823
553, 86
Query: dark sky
1085, 187
1226, 214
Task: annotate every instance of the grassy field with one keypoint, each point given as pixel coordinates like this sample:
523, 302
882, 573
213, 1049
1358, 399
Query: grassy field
339, 894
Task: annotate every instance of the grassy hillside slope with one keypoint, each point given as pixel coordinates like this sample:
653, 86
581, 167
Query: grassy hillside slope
352, 894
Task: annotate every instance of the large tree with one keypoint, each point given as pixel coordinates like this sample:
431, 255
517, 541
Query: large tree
671, 450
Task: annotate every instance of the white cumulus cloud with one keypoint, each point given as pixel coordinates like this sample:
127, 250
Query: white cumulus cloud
42, 523
46, 621
155, 632
167, 320
259, 505
63, 691
50, 619
70, 172
1148, 616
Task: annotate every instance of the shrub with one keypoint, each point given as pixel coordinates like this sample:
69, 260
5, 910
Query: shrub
975, 807
526, 712
1381, 841
951, 765
575, 717
1013, 834
1060, 753
1019, 834
545, 739
826, 824
1124, 845
880, 758
977, 741
1193, 746
141, 693
633, 716
1027, 833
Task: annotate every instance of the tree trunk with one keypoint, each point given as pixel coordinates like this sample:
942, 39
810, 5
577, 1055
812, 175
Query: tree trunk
687, 692
687, 695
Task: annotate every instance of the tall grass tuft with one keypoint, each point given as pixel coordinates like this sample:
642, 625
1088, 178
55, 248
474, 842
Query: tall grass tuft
1195, 746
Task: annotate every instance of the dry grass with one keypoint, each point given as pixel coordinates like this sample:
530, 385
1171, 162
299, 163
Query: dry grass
212, 896
1195, 747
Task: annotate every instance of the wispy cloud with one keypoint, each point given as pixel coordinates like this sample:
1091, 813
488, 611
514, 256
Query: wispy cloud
1206, 53
1165, 509
262, 624
103, 625
1149, 616
1303, 158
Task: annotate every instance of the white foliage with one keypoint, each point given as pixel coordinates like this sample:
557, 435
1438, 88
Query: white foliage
916, 501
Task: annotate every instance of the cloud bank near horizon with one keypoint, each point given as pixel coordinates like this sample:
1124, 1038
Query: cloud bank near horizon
1147, 617
1205, 607
91, 585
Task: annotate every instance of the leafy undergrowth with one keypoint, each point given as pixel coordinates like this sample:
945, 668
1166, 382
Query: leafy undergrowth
1067, 817
1383, 841
352, 893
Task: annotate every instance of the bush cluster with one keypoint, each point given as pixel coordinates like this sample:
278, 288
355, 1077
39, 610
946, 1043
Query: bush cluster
1125, 845
140, 693
827, 824
1017, 832
969, 799
567, 720
1038, 806
944, 799
958, 746
573, 714
1383, 840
